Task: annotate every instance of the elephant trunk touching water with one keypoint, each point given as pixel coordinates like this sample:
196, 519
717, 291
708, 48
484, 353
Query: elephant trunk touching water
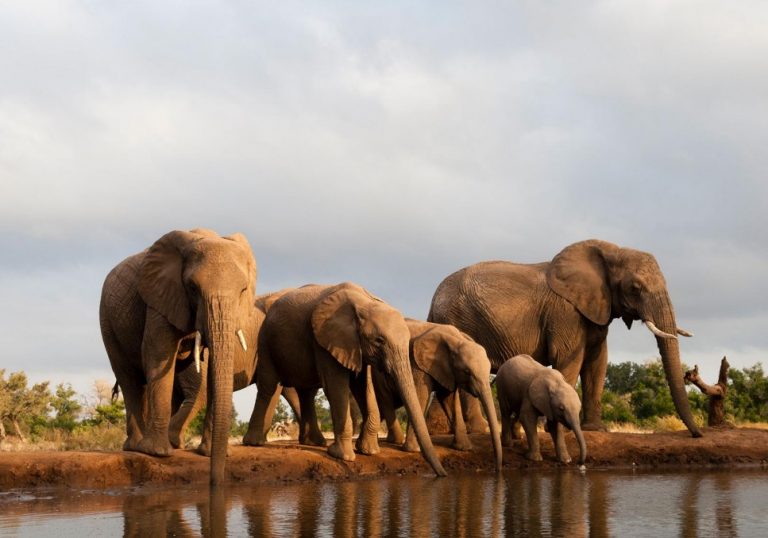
663, 316
404, 379
222, 340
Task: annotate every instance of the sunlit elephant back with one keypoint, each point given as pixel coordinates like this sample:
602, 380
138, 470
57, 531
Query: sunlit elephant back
188, 292
559, 311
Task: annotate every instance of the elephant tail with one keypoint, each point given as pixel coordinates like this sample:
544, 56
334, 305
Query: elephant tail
115, 392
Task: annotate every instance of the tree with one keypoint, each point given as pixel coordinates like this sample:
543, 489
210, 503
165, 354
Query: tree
65, 407
748, 394
716, 393
22, 405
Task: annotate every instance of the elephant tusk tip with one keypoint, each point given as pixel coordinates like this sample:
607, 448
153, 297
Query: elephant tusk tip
241, 337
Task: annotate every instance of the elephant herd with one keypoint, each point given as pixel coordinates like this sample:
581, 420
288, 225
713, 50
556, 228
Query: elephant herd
183, 328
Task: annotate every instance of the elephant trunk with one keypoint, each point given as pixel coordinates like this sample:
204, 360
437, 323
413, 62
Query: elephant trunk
403, 376
222, 340
664, 317
582, 443
490, 411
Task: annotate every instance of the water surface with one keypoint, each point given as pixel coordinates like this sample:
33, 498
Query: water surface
536, 503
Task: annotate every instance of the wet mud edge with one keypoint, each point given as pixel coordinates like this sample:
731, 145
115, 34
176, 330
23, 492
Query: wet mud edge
286, 462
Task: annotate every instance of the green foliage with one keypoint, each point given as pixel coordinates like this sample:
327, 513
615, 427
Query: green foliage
640, 393
195, 426
21, 407
747, 397
66, 408
617, 408
323, 410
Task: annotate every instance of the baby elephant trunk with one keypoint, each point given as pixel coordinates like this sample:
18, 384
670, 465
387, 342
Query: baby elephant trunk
582, 443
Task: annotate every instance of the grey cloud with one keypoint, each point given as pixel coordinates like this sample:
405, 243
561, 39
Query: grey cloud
386, 144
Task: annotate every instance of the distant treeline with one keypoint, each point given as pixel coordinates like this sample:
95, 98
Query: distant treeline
639, 394
634, 393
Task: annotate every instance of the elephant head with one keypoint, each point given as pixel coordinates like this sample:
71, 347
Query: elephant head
454, 360
604, 281
357, 329
555, 399
206, 284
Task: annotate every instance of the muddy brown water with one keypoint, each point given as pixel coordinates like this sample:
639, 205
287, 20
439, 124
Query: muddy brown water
518, 503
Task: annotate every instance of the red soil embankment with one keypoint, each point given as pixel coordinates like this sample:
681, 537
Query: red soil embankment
289, 462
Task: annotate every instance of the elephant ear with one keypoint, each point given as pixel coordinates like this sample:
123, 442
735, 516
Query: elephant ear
432, 354
579, 274
161, 283
540, 395
252, 268
335, 325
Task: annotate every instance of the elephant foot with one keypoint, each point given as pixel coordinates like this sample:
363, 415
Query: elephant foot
533, 456
338, 451
594, 427
175, 440
411, 447
254, 439
131, 445
368, 445
313, 439
462, 443
154, 447
395, 439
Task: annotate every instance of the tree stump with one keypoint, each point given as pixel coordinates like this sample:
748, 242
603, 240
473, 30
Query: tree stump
716, 393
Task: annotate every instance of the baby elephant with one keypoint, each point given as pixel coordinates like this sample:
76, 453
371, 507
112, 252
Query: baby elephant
529, 390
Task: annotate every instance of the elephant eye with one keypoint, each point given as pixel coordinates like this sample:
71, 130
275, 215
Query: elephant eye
379, 340
636, 287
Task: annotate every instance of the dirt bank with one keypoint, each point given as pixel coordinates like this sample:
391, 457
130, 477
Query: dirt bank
288, 462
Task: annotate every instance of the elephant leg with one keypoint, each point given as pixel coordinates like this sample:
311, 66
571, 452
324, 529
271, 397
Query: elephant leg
507, 423
362, 390
131, 382
158, 357
309, 429
194, 390
473, 413
387, 408
268, 390
557, 432
592, 380
423, 388
529, 419
335, 381
452, 401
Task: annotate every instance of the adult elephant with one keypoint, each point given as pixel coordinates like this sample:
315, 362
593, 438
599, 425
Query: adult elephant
328, 336
559, 311
189, 290
190, 387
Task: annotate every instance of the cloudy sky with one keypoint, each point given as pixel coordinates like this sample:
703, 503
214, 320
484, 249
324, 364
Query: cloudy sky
384, 143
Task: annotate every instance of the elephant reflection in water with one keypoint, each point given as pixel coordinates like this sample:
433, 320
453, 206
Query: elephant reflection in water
722, 512
557, 504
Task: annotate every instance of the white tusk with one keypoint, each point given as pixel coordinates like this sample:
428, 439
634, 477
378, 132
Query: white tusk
658, 332
241, 337
683, 332
198, 338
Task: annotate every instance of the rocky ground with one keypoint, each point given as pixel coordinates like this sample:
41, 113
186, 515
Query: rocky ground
289, 462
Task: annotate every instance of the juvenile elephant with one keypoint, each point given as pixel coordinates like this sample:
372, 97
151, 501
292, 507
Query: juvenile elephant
529, 390
558, 312
443, 359
190, 388
329, 336
189, 290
